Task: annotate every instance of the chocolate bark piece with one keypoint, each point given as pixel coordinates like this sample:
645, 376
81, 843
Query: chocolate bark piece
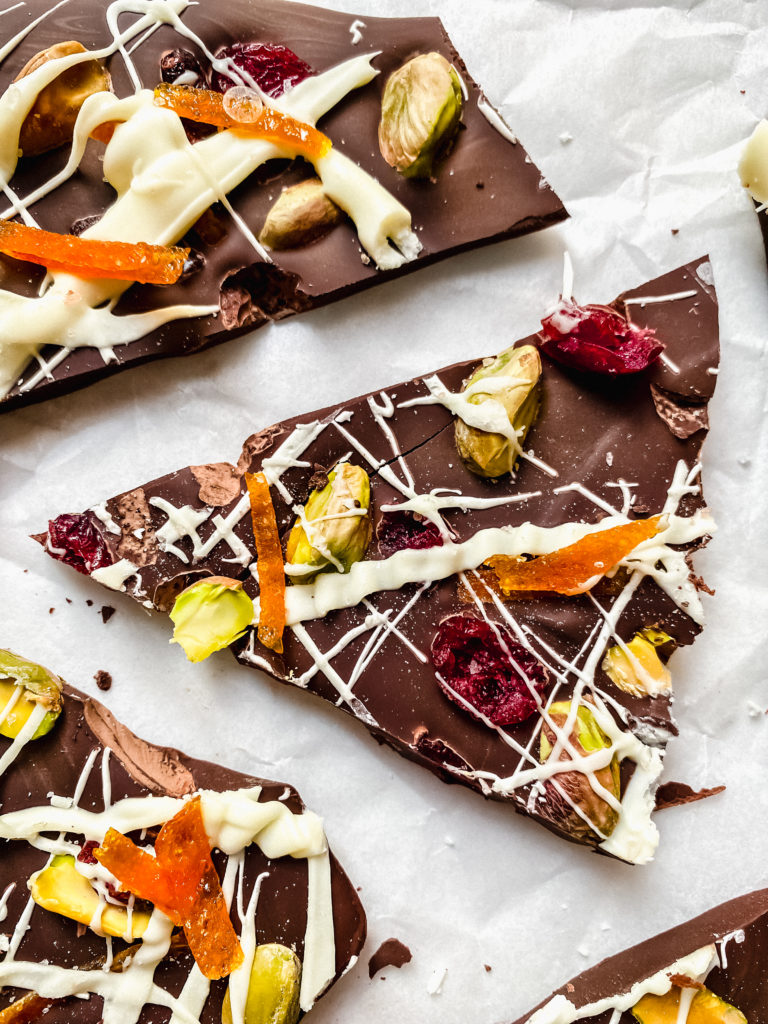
603, 436
739, 930
74, 752
485, 190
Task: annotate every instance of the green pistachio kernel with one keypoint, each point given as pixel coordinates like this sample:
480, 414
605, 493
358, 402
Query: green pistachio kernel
23, 687
210, 615
334, 529
513, 382
572, 804
420, 114
273, 988
641, 672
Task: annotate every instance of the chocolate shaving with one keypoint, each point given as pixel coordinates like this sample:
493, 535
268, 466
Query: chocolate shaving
107, 611
682, 418
392, 953
160, 769
220, 482
675, 794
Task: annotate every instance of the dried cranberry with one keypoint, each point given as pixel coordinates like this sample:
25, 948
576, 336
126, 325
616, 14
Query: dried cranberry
495, 681
597, 339
272, 67
399, 530
74, 540
86, 855
181, 67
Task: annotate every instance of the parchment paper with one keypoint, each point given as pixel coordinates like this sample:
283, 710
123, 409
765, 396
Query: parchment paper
636, 113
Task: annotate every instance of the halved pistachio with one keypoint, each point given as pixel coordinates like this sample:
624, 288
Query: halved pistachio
210, 615
273, 988
334, 529
301, 214
571, 803
51, 121
420, 114
641, 672
753, 166
705, 1008
60, 888
513, 381
39, 688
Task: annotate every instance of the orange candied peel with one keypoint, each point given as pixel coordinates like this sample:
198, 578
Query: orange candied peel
90, 257
269, 556
182, 882
264, 122
573, 569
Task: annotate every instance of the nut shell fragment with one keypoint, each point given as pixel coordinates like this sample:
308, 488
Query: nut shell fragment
51, 121
301, 214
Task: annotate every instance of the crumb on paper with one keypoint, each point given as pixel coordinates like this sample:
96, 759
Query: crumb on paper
435, 987
103, 679
487, 968
565, 138
107, 611
754, 710
51, 611
89, 602
391, 953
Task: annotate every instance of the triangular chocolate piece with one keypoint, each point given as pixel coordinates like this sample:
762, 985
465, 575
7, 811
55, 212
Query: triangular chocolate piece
601, 446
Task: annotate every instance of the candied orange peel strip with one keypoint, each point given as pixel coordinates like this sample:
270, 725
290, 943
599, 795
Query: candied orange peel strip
211, 107
269, 554
180, 880
90, 257
575, 568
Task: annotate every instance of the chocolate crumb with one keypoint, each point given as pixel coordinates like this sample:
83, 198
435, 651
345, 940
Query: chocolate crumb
675, 794
488, 968
392, 953
51, 611
89, 602
675, 231
683, 981
68, 600
107, 612
103, 679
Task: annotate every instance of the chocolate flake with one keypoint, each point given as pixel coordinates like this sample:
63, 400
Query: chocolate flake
103, 679
107, 611
675, 794
392, 953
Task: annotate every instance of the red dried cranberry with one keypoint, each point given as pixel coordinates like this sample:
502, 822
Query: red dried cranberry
272, 67
182, 68
86, 853
74, 540
399, 530
597, 339
497, 683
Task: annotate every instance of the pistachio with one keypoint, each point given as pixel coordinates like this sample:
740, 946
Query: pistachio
705, 1008
753, 163
25, 686
60, 888
273, 988
512, 382
638, 669
51, 121
301, 214
420, 114
571, 804
209, 615
333, 530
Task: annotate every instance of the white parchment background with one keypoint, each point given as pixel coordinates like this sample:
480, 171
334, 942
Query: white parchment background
636, 114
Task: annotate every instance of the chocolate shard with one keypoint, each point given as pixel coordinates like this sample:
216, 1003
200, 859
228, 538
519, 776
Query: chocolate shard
675, 794
731, 942
228, 270
391, 953
610, 454
91, 757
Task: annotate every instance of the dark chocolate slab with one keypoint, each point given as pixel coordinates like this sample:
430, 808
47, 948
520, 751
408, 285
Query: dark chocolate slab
54, 764
739, 928
594, 431
485, 190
